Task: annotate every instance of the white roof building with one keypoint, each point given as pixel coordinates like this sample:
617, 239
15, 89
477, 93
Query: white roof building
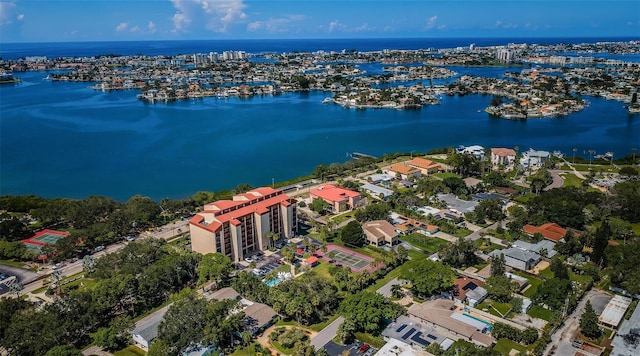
614, 312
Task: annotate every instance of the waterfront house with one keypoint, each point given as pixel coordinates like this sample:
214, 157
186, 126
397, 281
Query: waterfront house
403, 170
377, 191
425, 166
503, 156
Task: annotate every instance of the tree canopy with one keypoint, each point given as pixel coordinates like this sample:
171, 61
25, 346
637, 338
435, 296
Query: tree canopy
352, 234
428, 277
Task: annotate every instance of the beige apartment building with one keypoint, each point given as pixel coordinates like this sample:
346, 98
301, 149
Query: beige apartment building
237, 228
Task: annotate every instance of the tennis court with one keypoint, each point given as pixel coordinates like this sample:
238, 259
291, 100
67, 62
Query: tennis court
346, 257
48, 238
350, 260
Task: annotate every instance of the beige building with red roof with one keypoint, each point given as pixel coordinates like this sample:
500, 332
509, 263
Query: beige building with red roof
404, 170
504, 156
340, 199
380, 232
238, 227
425, 166
550, 231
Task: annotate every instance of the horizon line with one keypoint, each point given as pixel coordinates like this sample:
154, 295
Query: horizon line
626, 37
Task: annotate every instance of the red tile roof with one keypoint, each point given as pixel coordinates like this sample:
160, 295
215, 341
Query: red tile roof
403, 169
311, 260
332, 193
550, 231
503, 152
423, 163
256, 201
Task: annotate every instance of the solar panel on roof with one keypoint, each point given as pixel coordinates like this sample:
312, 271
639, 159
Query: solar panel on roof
405, 336
419, 340
401, 328
431, 337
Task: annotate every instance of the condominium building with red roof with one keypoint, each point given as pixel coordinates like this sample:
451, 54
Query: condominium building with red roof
238, 227
340, 199
503, 156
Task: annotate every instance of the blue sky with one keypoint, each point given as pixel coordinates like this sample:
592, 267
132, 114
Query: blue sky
116, 20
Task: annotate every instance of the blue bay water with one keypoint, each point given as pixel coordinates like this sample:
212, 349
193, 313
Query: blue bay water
67, 140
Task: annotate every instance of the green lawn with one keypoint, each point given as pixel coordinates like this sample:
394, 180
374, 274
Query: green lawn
546, 273
426, 243
571, 180
504, 346
12, 263
533, 282
540, 313
462, 233
322, 269
130, 351
443, 175
494, 308
342, 217
636, 228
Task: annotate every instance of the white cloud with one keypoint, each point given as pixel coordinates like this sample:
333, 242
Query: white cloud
276, 25
364, 28
152, 27
20, 17
135, 29
498, 23
215, 15
122, 26
431, 22
6, 12
335, 25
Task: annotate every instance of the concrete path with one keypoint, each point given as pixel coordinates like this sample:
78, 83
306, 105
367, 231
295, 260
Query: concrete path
326, 334
558, 180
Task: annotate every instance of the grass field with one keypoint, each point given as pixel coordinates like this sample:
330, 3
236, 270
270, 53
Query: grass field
130, 351
504, 346
12, 263
540, 313
571, 180
423, 242
495, 308
444, 175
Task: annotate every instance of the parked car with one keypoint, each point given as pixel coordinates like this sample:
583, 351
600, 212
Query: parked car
364, 348
99, 248
248, 259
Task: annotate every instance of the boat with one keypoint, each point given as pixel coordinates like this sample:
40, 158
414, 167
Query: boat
327, 100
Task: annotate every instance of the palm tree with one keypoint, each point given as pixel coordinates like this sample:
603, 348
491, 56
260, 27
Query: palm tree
634, 149
574, 155
591, 152
246, 340
272, 237
396, 291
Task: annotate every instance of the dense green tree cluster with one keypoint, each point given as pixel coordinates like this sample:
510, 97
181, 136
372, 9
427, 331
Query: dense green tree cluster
428, 277
527, 336
623, 265
128, 283
307, 300
192, 321
369, 311
352, 234
460, 254
378, 211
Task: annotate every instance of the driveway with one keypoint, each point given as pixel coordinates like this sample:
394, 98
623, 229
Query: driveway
326, 334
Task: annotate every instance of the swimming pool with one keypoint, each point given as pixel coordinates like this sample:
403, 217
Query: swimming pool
273, 282
489, 325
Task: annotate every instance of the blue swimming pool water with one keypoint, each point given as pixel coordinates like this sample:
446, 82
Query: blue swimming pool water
274, 281
489, 325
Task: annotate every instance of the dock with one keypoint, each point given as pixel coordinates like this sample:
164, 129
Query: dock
358, 155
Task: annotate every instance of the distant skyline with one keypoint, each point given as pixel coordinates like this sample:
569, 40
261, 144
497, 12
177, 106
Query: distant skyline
118, 20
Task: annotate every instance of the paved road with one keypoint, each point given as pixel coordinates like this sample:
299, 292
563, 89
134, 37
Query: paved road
326, 334
558, 180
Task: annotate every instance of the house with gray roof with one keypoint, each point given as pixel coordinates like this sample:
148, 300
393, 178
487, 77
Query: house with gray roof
517, 258
627, 339
146, 329
377, 191
544, 248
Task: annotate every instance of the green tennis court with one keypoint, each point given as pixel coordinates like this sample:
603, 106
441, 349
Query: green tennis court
48, 238
350, 260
